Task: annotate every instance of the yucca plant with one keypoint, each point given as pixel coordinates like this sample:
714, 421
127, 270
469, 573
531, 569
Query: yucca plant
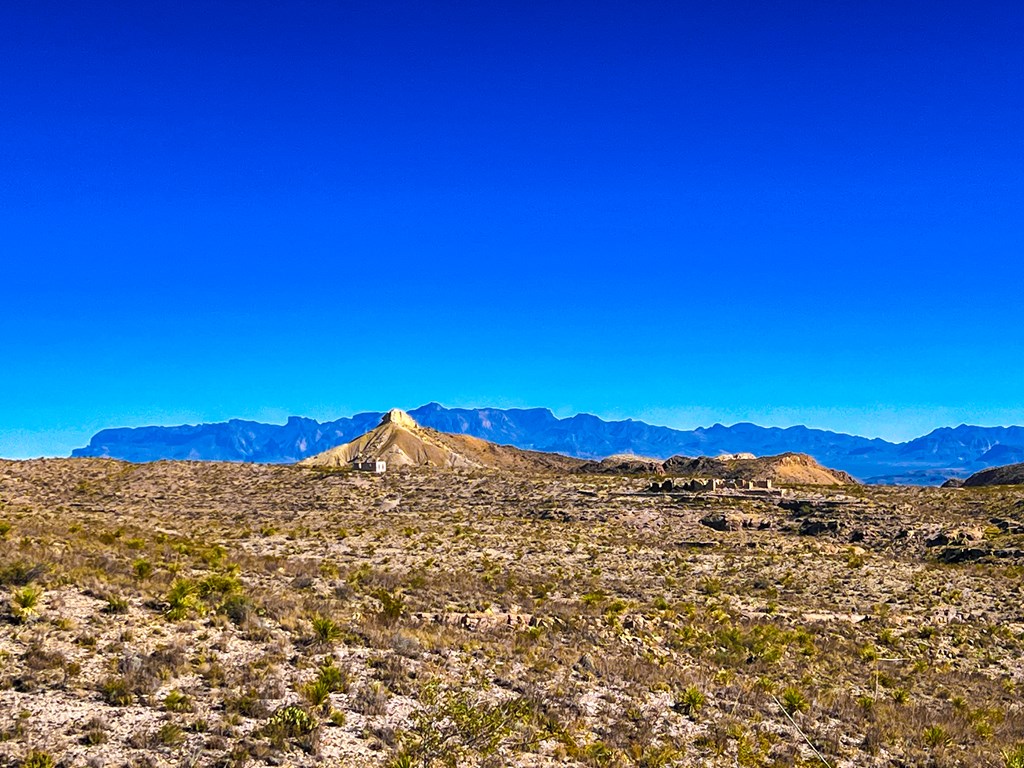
1014, 758
38, 759
690, 701
325, 630
317, 692
25, 602
182, 600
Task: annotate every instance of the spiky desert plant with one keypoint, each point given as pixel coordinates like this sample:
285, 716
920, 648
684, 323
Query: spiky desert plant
182, 600
325, 630
37, 759
1014, 758
690, 701
794, 701
25, 602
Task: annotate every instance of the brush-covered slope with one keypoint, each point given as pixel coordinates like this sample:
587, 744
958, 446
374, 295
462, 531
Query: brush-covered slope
784, 469
401, 442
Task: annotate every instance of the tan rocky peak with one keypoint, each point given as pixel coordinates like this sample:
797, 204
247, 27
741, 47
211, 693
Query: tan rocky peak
399, 418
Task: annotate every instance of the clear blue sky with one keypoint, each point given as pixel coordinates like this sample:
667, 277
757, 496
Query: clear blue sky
683, 212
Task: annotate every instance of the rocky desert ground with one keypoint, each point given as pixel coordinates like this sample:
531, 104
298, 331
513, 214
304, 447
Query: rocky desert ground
187, 614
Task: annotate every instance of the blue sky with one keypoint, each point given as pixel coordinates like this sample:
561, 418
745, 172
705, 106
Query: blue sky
793, 212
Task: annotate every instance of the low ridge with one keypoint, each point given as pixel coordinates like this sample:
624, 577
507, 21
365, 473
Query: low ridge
1011, 474
786, 468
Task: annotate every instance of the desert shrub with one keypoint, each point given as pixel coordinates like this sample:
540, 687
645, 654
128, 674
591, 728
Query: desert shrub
392, 606
335, 678
248, 704
182, 600
291, 723
936, 736
95, 731
317, 692
238, 608
371, 700
452, 727
690, 701
25, 603
170, 735
218, 586
176, 701
20, 573
116, 691
37, 657
38, 759
794, 701
1014, 758
325, 629
116, 605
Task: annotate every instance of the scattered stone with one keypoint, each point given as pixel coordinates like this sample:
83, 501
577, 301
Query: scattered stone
733, 522
817, 527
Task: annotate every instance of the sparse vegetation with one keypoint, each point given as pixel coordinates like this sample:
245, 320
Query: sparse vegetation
25, 603
228, 615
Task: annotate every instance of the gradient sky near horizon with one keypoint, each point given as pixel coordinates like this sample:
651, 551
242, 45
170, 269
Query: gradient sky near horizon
687, 213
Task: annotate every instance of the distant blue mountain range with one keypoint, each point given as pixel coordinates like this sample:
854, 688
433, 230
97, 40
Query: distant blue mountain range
943, 453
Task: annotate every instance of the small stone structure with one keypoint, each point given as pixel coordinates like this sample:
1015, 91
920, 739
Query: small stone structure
715, 485
377, 466
703, 485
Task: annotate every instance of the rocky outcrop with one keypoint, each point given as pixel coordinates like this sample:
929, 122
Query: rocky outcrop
734, 521
401, 442
623, 464
787, 468
1011, 474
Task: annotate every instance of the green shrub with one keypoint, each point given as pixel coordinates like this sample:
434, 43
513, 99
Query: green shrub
1014, 758
794, 701
116, 605
170, 735
290, 723
392, 606
25, 602
37, 759
142, 569
316, 692
182, 600
116, 691
325, 629
690, 701
936, 736
176, 701
455, 728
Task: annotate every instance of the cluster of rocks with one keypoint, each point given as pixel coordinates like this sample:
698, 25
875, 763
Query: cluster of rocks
734, 521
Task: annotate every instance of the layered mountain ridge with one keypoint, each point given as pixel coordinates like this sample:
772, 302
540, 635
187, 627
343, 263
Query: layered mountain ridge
930, 459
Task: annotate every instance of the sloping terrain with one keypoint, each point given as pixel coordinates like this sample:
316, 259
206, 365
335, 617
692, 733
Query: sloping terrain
786, 469
623, 464
214, 614
401, 442
1012, 474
